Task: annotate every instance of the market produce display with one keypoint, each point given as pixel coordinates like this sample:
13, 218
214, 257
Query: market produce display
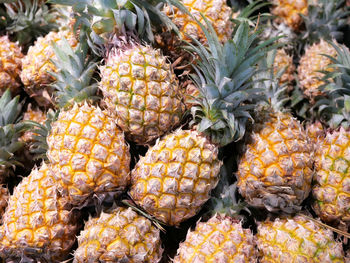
185, 131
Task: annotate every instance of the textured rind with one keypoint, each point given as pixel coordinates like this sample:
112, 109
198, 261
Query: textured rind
90, 151
275, 170
297, 240
332, 181
4, 196
176, 176
120, 235
310, 63
141, 89
216, 11
36, 115
288, 12
38, 222
37, 64
284, 62
10, 65
221, 239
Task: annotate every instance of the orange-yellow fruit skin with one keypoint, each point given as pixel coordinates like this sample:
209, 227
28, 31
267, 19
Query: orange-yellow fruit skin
284, 62
32, 115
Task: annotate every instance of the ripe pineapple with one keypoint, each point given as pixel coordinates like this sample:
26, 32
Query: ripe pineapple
288, 12
10, 65
275, 169
38, 223
216, 11
311, 63
297, 239
37, 65
141, 89
4, 197
176, 176
284, 62
119, 235
36, 115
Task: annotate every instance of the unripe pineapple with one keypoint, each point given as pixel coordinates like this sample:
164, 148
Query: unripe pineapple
141, 89
297, 239
216, 11
220, 239
38, 223
10, 65
284, 62
37, 65
311, 63
90, 153
288, 12
120, 235
175, 177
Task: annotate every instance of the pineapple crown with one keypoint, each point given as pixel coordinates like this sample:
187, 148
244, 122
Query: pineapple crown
102, 19
29, 19
334, 107
10, 130
325, 20
223, 76
74, 74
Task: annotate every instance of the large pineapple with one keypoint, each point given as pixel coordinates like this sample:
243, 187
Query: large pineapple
140, 88
297, 239
119, 235
10, 65
176, 176
37, 66
38, 223
216, 11
275, 170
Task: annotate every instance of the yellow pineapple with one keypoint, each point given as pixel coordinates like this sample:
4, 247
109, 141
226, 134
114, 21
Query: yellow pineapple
37, 65
36, 115
119, 235
216, 11
311, 63
38, 223
288, 12
140, 88
90, 153
4, 197
297, 239
284, 62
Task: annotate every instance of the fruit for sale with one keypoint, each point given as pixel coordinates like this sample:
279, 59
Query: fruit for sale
119, 235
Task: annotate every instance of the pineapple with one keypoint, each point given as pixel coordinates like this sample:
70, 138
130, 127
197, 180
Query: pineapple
174, 179
31, 114
37, 65
310, 64
10, 65
284, 62
297, 239
275, 169
216, 11
288, 12
119, 235
140, 88
38, 224
4, 197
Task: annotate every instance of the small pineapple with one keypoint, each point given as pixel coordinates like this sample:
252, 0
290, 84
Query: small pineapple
297, 239
10, 66
288, 12
38, 224
37, 66
140, 88
119, 235
4, 197
31, 114
310, 64
284, 62
216, 11
176, 176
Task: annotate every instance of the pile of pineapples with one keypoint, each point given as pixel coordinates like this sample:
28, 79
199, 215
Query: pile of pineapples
186, 131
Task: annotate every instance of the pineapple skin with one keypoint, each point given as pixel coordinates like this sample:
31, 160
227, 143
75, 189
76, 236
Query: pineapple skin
89, 152
119, 236
10, 66
37, 64
141, 90
276, 169
220, 239
174, 179
284, 62
331, 190
297, 239
216, 11
312, 62
288, 12
4, 197
36, 115
38, 223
